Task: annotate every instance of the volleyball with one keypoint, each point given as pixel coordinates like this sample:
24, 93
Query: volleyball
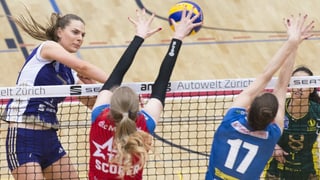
175, 13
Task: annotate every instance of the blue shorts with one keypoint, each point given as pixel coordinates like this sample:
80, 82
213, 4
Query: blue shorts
28, 145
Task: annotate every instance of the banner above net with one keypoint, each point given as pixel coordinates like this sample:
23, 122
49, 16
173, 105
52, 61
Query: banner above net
219, 85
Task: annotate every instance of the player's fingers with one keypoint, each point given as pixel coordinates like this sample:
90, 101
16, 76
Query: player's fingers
143, 11
184, 12
196, 17
174, 23
285, 23
196, 24
309, 27
151, 18
154, 31
190, 12
132, 21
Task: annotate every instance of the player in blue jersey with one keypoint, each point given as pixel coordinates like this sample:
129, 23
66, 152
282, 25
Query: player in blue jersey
33, 148
245, 139
120, 132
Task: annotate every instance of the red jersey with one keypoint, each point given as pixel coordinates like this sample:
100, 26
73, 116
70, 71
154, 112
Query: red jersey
101, 141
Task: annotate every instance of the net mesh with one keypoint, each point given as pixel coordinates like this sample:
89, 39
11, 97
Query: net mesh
183, 137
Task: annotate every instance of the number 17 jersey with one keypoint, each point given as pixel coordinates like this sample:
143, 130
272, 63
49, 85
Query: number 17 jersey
237, 152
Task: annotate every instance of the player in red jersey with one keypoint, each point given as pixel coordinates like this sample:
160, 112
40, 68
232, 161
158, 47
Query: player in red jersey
120, 133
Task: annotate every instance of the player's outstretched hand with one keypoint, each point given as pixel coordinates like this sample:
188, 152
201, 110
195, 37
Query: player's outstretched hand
185, 25
296, 29
142, 24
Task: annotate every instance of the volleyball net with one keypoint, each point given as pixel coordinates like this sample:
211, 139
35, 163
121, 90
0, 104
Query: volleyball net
183, 137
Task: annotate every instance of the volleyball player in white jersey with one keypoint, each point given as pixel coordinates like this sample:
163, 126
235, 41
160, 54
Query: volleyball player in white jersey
33, 148
244, 141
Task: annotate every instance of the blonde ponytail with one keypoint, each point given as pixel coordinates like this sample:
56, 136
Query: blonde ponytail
130, 143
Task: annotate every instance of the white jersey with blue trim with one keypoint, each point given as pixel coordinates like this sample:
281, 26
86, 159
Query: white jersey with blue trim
38, 71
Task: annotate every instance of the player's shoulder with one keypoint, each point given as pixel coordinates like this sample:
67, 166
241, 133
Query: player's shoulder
315, 104
51, 46
50, 43
234, 110
142, 117
315, 108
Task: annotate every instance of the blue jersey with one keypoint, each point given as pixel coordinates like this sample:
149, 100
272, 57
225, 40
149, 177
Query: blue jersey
39, 72
237, 151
